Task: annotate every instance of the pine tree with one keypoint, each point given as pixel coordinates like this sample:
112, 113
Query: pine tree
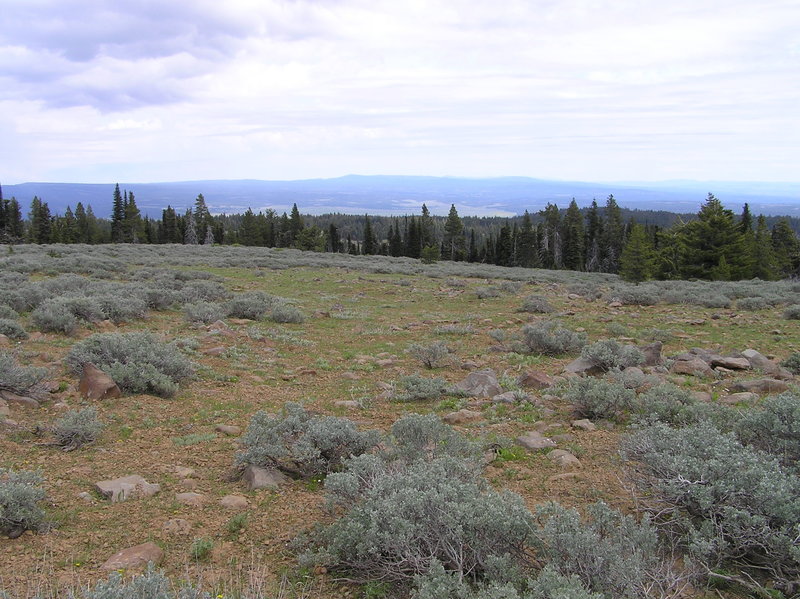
413, 240
573, 237
248, 230
169, 225
764, 264
528, 250
453, 242
69, 227
133, 220
295, 224
503, 247
551, 237
334, 241
190, 234
395, 241
786, 248
746, 219
15, 226
594, 233
209, 237
370, 246
613, 236
202, 217
117, 217
636, 260
472, 256
426, 228
712, 237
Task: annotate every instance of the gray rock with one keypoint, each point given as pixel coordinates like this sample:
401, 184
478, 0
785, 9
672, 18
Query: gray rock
234, 502
96, 384
584, 425
761, 386
462, 416
350, 404
731, 363
184, 471
134, 557
564, 458
760, 362
261, 478
177, 526
19, 400
583, 367
481, 383
693, 367
126, 487
738, 398
535, 379
508, 397
535, 440
652, 353
190, 499
228, 429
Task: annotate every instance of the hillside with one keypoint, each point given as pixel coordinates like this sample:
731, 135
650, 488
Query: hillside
342, 334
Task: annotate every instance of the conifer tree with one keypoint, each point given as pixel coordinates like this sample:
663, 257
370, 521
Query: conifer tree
117, 217
334, 242
370, 245
453, 242
764, 264
712, 237
472, 255
413, 241
209, 237
426, 228
190, 234
202, 217
636, 260
613, 236
786, 248
133, 220
295, 224
248, 230
395, 240
503, 247
573, 237
594, 233
69, 227
527, 247
550, 237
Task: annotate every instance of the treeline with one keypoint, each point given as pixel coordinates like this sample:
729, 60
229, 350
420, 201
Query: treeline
713, 244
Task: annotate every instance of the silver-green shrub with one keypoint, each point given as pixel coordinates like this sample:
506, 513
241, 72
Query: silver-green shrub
22, 380
77, 428
123, 308
54, 316
730, 504
752, 303
411, 516
252, 304
287, 313
419, 388
8, 313
792, 363
20, 496
152, 584
792, 312
511, 287
550, 338
536, 304
487, 292
597, 398
300, 443
425, 437
203, 312
610, 353
774, 427
138, 362
201, 290
12, 329
432, 355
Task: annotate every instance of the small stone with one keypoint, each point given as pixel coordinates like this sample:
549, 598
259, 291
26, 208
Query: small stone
535, 379
582, 367
96, 384
761, 386
508, 397
234, 502
176, 526
564, 458
190, 499
214, 351
184, 471
731, 363
703, 396
86, 497
743, 397
19, 400
189, 483
584, 425
261, 478
228, 429
462, 416
135, 557
693, 367
469, 365
126, 487
350, 404
535, 440
350, 376
481, 383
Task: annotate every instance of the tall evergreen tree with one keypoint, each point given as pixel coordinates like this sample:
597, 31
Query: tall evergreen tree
370, 246
132, 228
746, 219
573, 237
295, 224
527, 246
613, 236
472, 255
334, 241
413, 239
713, 246
248, 231
169, 226
550, 238
117, 217
426, 228
209, 237
636, 260
202, 217
786, 248
453, 242
764, 265
503, 252
594, 233
395, 240
190, 234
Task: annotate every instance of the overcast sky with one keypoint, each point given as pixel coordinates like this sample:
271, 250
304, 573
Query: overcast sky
591, 90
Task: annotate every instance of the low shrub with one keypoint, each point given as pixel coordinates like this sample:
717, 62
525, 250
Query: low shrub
632, 378
200, 549
8, 313
286, 313
433, 355
200, 290
409, 517
610, 353
252, 304
792, 363
87, 309
21, 380
302, 444
610, 553
12, 329
536, 304
550, 338
424, 437
77, 428
119, 308
511, 287
596, 398
152, 584
792, 312
773, 427
752, 303
419, 388
138, 362
487, 292
637, 295
54, 317
20, 496
732, 505
203, 312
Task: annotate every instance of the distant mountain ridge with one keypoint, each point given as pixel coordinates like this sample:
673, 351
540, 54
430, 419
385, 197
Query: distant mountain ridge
397, 195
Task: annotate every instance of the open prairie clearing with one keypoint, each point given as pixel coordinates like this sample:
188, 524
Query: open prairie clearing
352, 346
